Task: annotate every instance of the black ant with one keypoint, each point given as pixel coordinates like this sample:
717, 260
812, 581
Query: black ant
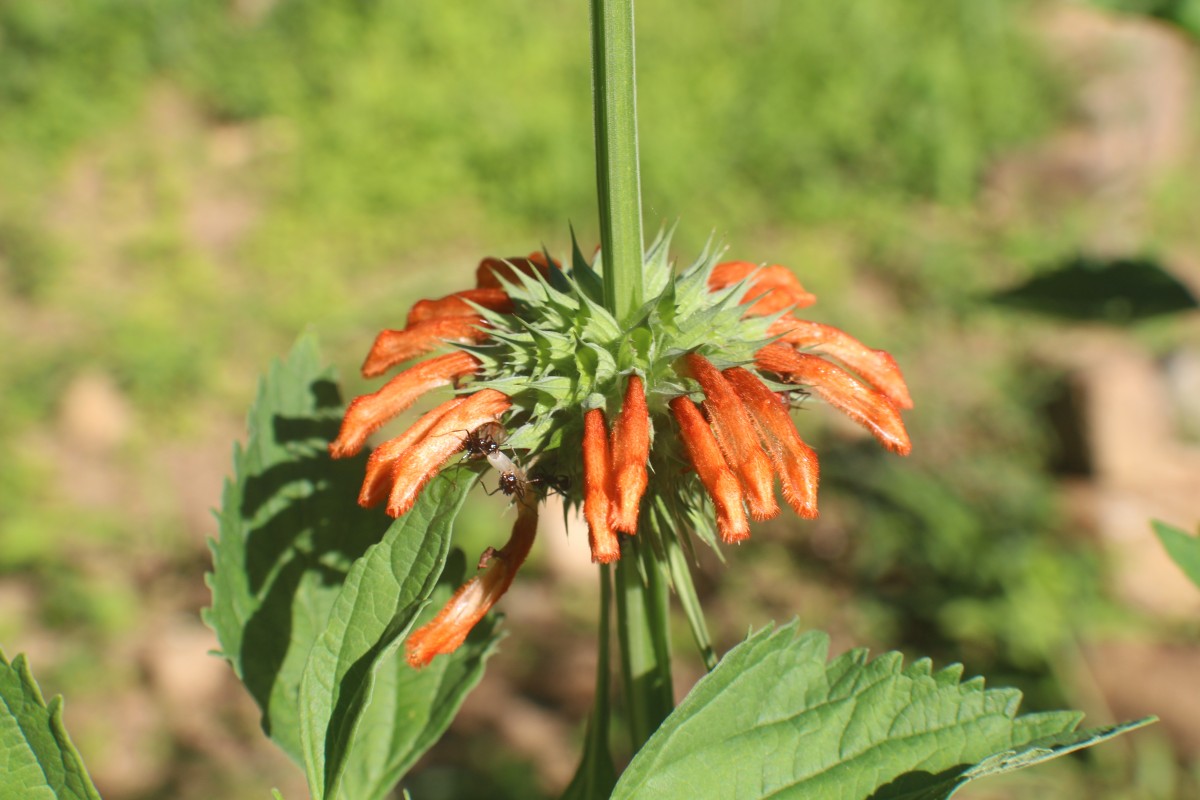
514, 482
485, 441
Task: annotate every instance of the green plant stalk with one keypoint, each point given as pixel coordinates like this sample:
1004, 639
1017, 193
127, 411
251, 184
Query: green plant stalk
596, 776
618, 186
643, 632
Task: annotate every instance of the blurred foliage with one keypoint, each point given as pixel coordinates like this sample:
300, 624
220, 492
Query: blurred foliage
1184, 13
1117, 291
364, 149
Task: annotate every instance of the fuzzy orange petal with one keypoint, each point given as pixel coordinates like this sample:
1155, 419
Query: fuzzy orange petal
369, 412
490, 270
378, 481
448, 630
421, 461
877, 367
392, 347
714, 473
794, 460
630, 452
597, 500
459, 304
736, 436
866, 406
776, 287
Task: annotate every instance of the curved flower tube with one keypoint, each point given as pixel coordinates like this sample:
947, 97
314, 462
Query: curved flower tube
370, 412
449, 629
877, 367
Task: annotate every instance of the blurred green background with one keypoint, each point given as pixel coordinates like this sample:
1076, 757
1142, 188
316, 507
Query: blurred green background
186, 185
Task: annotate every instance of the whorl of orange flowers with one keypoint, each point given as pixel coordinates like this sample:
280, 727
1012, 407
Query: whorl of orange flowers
728, 425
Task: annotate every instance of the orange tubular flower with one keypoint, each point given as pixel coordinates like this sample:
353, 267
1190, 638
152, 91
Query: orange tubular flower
491, 270
736, 437
421, 461
714, 473
630, 452
476, 597
369, 412
866, 406
877, 367
775, 287
795, 461
597, 498
533, 345
459, 304
378, 482
393, 347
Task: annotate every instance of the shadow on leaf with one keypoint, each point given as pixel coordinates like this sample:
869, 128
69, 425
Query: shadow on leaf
290, 529
921, 785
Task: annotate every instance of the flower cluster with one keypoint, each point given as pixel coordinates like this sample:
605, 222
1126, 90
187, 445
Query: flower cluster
697, 384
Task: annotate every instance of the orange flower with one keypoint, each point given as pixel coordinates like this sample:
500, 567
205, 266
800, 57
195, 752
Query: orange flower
597, 497
393, 347
459, 304
630, 452
795, 461
773, 289
736, 437
877, 367
491, 270
866, 406
712, 470
534, 347
447, 631
370, 412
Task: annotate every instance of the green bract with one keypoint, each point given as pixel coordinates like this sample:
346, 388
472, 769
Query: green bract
561, 353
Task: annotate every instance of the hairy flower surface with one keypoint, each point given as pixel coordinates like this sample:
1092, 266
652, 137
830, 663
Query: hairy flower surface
635, 421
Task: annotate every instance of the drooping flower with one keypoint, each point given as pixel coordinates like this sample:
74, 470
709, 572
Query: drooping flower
634, 420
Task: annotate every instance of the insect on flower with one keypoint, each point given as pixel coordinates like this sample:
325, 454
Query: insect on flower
610, 411
485, 441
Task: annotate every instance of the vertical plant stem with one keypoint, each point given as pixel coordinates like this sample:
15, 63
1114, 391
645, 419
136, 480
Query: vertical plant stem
618, 186
596, 776
644, 636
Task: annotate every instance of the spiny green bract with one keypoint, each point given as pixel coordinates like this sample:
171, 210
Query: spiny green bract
563, 353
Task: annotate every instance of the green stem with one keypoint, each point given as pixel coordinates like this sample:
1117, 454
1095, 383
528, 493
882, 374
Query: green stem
644, 635
596, 776
618, 187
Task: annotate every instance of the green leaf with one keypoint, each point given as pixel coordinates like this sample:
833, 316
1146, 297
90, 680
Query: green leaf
379, 602
1183, 549
289, 530
410, 709
775, 719
37, 759
1117, 291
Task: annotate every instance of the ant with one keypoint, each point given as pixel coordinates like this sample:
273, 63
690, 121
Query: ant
484, 442
515, 482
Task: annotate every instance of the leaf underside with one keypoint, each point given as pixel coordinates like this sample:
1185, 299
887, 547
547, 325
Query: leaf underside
775, 719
